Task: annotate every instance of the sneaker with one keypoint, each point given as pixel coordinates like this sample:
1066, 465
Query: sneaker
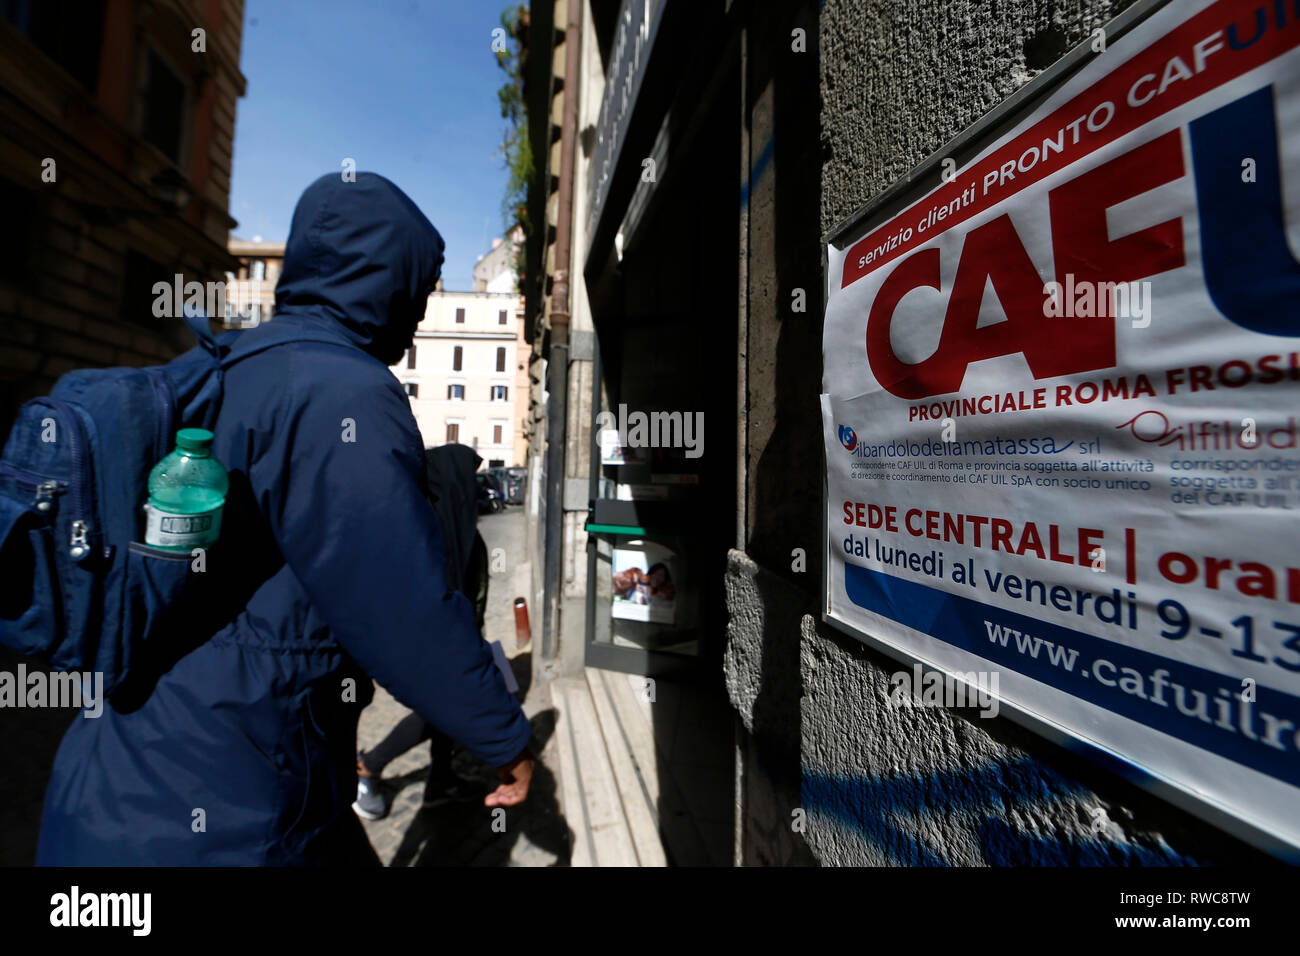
370, 803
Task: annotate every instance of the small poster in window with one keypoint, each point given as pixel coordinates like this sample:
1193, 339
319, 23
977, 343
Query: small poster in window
614, 452
645, 581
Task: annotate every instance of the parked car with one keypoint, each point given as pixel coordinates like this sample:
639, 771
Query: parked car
490, 498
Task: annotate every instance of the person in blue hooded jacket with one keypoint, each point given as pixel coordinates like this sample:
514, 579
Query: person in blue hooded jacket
233, 742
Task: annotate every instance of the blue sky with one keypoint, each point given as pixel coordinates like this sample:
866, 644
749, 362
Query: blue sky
407, 88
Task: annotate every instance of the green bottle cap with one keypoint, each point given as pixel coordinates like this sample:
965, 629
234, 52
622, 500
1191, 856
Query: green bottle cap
194, 439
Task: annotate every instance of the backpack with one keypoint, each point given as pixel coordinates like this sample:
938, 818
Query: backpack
81, 591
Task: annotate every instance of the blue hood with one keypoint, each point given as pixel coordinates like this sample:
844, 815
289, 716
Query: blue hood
362, 256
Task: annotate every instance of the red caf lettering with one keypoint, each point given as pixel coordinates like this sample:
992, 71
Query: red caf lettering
993, 254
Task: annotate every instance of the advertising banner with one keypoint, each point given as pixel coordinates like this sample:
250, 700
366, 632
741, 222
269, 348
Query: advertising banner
1062, 413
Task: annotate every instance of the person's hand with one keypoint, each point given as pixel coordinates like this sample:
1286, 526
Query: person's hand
516, 777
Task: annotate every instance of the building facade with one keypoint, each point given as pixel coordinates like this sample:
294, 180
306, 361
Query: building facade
693, 158
462, 371
250, 291
495, 271
118, 127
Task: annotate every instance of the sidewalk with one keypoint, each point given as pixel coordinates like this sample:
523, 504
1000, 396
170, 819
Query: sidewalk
645, 771
462, 833
631, 773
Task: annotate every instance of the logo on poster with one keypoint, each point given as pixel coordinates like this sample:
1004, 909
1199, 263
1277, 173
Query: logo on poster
1154, 427
848, 437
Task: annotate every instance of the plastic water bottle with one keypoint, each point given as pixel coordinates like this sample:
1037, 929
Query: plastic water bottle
187, 491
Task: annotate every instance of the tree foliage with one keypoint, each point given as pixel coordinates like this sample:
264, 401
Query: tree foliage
516, 150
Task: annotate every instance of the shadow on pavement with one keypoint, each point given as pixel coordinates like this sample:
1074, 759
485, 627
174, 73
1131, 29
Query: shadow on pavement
463, 832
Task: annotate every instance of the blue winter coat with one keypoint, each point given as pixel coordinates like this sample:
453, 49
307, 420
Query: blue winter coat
235, 742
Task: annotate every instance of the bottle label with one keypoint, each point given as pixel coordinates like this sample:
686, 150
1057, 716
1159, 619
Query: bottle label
163, 529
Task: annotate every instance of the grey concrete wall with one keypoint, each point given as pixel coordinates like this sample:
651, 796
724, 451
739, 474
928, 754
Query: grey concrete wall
835, 775
900, 78
882, 785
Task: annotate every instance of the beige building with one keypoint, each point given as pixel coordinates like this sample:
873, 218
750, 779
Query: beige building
250, 292
523, 385
495, 272
467, 371
462, 374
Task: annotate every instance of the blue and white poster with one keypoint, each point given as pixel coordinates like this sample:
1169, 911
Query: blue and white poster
1062, 413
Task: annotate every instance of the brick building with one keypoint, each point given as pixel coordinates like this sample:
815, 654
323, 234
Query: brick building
118, 122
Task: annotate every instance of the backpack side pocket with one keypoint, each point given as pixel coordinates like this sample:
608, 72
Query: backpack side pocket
29, 594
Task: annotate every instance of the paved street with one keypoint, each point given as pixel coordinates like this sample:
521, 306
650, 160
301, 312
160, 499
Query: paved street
461, 832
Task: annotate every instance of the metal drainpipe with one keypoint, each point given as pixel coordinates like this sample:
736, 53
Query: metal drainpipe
557, 409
